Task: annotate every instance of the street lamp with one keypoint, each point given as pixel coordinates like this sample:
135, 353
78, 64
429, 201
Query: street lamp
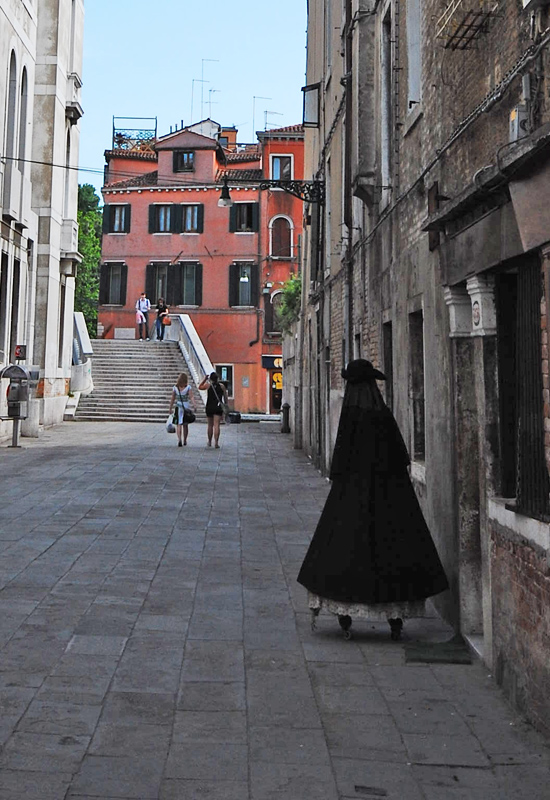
307, 191
225, 200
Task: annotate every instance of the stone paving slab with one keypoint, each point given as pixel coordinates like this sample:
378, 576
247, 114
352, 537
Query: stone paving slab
154, 643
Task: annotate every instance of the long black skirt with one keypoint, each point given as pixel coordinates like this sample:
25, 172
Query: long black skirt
372, 544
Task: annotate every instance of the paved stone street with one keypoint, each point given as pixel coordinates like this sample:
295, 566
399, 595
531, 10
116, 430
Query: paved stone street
155, 644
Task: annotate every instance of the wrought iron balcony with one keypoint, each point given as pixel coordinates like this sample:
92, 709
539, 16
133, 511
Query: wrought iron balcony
463, 21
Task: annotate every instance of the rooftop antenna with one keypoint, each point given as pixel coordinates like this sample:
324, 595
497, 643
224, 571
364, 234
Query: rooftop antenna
216, 60
193, 82
210, 93
254, 98
277, 113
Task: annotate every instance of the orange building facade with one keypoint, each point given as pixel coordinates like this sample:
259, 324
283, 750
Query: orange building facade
164, 233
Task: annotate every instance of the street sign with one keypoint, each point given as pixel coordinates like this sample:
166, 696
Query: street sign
20, 351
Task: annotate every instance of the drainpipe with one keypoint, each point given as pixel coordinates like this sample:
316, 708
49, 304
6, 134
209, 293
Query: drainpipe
348, 141
258, 310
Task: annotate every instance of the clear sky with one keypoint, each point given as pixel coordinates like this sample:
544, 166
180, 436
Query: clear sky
141, 57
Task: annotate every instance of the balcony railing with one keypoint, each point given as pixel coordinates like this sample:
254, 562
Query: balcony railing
463, 21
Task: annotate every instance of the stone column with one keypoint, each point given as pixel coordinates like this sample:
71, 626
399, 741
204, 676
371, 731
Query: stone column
466, 461
481, 289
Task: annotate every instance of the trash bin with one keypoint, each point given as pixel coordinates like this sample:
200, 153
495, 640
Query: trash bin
233, 418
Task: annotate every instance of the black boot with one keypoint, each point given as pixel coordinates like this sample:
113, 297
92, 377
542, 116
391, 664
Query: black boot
345, 623
396, 626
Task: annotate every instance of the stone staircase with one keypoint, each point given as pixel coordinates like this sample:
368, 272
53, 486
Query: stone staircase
133, 382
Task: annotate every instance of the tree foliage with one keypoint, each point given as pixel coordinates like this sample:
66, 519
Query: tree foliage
89, 246
289, 309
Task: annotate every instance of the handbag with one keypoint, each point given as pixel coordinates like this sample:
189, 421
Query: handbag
222, 404
170, 427
166, 320
188, 416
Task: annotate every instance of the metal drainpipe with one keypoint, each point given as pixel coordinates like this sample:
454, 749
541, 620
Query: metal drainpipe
348, 216
258, 310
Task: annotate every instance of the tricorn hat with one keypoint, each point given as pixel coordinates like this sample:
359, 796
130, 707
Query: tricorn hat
361, 370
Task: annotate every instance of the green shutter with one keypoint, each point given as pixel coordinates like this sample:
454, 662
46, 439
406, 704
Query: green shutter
254, 285
200, 219
103, 281
152, 219
234, 272
150, 282
106, 226
255, 216
232, 219
176, 218
123, 280
127, 217
198, 284
268, 313
174, 285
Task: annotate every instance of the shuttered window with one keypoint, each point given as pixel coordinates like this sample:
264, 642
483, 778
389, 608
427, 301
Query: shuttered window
116, 218
244, 218
112, 284
524, 471
192, 218
180, 284
243, 284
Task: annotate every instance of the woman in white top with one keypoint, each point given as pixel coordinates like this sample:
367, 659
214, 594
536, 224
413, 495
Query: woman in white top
182, 398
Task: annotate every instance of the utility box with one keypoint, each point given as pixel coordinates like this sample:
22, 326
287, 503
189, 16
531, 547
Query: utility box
519, 121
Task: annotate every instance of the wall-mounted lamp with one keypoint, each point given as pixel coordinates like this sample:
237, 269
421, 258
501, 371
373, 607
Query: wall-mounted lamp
225, 200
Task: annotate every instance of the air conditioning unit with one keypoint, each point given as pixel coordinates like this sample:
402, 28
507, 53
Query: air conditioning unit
519, 122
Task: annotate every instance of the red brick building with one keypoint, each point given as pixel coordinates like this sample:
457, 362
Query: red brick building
165, 233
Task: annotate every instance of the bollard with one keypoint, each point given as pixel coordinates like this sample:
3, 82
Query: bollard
285, 427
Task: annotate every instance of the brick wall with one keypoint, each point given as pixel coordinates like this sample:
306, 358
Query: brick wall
545, 376
521, 623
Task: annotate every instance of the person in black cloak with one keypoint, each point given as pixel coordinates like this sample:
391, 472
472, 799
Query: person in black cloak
371, 555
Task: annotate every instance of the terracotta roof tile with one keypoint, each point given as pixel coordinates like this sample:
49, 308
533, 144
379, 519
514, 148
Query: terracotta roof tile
243, 155
149, 179
240, 174
142, 155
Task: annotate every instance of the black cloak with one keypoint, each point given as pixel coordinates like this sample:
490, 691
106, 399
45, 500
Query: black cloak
372, 544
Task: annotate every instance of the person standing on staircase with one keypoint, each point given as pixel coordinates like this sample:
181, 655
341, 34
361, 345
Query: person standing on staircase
162, 314
143, 306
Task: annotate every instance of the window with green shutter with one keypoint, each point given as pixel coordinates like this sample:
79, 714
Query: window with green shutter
244, 218
112, 284
116, 217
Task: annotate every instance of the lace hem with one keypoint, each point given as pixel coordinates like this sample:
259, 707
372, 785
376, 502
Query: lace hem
377, 612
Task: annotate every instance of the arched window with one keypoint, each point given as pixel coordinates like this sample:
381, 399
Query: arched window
23, 121
12, 104
281, 238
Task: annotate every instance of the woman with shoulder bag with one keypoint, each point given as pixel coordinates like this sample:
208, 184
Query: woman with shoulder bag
182, 399
162, 317
216, 405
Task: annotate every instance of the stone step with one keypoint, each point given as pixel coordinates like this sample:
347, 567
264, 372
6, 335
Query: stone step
133, 382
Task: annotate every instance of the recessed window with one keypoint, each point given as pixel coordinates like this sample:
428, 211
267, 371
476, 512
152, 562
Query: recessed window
281, 238
281, 168
162, 219
192, 218
244, 218
116, 218
184, 161
112, 288
225, 373
179, 284
243, 284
